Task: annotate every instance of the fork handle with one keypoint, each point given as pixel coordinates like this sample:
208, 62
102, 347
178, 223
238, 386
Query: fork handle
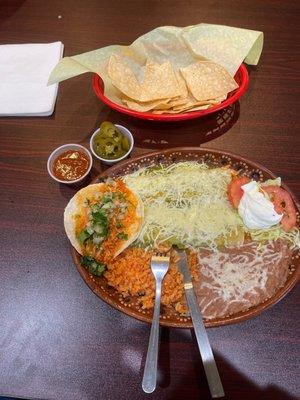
150, 371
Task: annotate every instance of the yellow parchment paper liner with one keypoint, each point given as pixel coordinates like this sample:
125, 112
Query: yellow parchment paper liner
224, 45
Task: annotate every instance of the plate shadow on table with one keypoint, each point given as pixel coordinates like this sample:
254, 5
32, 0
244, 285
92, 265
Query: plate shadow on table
236, 385
161, 135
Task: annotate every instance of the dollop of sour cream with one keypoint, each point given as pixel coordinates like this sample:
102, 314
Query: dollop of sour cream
256, 210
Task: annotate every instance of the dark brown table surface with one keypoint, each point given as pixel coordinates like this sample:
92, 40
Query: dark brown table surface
57, 339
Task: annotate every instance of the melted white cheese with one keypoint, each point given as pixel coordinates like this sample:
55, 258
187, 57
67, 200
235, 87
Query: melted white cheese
187, 201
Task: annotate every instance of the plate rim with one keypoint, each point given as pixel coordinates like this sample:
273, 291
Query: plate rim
98, 87
235, 318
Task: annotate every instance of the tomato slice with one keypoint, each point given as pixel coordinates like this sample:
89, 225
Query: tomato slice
283, 204
235, 191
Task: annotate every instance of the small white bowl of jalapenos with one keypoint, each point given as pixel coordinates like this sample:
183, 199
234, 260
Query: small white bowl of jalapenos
111, 143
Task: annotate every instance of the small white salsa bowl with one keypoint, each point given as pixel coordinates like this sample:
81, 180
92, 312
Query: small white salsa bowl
57, 152
106, 161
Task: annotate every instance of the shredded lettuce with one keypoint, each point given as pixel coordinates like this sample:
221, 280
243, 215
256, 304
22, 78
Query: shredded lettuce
274, 233
275, 182
93, 266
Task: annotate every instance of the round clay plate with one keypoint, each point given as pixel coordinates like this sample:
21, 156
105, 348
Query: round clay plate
169, 317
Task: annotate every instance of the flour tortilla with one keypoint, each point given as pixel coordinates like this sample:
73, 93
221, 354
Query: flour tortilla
74, 208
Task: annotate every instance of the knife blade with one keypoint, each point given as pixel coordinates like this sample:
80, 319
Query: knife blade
210, 367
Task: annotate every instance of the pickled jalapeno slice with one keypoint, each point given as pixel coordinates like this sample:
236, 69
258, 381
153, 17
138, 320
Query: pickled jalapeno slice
110, 143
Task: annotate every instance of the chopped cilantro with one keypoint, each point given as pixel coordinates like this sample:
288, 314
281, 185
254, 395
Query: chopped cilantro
98, 226
106, 199
93, 266
83, 236
101, 229
100, 216
122, 236
107, 206
95, 208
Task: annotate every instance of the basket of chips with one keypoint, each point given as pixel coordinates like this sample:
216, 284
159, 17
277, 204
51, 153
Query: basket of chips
189, 108
170, 73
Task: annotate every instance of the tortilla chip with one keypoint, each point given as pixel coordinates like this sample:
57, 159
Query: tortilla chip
219, 100
192, 108
159, 82
146, 106
207, 80
123, 77
182, 85
164, 90
192, 105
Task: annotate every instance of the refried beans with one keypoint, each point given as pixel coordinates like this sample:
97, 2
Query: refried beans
233, 280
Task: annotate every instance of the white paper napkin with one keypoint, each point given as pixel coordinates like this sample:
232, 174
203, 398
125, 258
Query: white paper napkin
24, 73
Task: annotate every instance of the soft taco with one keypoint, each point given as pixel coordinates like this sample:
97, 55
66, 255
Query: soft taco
102, 219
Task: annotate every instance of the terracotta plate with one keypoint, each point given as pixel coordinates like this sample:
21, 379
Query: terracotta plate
215, 158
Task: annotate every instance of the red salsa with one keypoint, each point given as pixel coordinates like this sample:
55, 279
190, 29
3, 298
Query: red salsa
71, 165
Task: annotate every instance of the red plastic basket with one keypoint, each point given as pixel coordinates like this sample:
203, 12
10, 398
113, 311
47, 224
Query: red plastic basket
241, 77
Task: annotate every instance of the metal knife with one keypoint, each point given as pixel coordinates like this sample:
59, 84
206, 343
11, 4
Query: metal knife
210, 367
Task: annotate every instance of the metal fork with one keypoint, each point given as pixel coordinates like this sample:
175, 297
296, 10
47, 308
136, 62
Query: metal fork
159, 267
